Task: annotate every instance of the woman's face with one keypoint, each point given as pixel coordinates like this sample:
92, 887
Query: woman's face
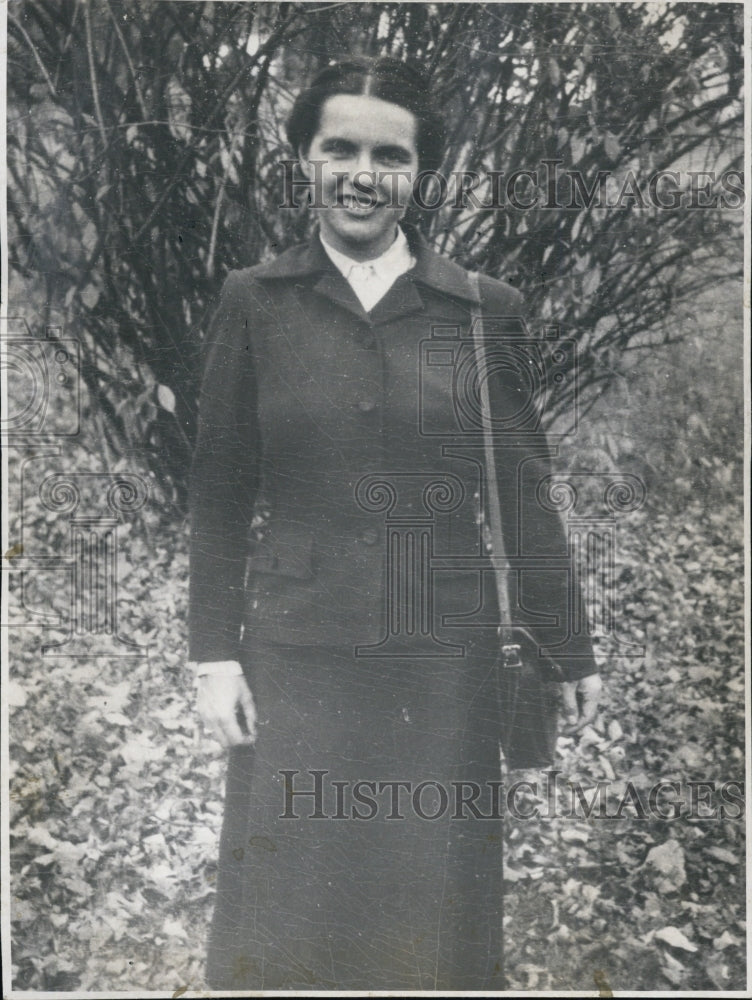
369, 149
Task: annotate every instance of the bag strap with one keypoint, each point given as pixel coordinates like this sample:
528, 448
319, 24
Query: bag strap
509, 648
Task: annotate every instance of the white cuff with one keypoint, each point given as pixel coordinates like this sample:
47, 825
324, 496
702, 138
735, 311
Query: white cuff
219, 668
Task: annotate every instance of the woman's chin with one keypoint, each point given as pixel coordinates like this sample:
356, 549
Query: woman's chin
361, 232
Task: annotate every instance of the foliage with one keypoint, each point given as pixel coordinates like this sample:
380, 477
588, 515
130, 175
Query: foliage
638, 902
144, 147
145, 141
116, 794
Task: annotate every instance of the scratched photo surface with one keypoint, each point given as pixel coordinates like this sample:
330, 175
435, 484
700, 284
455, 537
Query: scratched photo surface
453, 340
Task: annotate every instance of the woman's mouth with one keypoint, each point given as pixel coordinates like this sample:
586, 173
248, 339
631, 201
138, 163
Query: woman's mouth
360, 207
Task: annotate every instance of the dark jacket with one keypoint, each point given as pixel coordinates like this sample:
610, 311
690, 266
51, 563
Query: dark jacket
360, 426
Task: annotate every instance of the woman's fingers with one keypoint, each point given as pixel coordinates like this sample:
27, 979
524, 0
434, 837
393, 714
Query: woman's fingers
220, 700
231, 735
570, 708
248, 707
580, 702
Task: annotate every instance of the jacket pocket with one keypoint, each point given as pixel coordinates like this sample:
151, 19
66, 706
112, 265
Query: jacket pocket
285, 550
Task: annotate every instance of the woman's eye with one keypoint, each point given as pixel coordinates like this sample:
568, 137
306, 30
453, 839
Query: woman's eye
395, 157
338, 149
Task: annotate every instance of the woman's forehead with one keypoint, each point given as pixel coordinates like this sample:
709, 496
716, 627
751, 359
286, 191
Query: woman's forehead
361, 116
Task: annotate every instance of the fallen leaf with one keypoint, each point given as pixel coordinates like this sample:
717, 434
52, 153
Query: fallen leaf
137, 752
115, 700
42, 837
117, 719
725, 940
15, 694
673, 969
702, 673
718, 970
668, 860
173, 928
615, 732
575, 836
606, 767
676, 938
721, 854
204, 835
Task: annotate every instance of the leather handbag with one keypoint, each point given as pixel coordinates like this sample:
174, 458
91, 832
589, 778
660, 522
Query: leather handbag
528, 678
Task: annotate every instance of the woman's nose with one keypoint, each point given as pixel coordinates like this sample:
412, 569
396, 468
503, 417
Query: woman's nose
363, 163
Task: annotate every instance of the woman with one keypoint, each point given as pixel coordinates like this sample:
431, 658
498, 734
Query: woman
352, 674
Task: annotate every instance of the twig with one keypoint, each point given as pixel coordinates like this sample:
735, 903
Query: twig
218, 107
67, 42
93, 75
22, 31
218, 208
131, 67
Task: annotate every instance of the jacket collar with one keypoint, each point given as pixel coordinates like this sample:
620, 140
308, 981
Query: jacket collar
431, 270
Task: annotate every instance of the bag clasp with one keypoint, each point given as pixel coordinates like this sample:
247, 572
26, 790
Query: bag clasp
511, 655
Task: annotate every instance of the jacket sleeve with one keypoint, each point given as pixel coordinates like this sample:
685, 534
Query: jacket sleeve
531, 530
223, 482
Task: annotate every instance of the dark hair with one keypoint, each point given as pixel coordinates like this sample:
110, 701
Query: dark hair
385, 78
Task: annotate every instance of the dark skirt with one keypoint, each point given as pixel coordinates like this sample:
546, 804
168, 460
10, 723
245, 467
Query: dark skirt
381, 877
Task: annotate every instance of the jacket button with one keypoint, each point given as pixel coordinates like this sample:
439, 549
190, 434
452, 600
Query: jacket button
370, 536
366, 405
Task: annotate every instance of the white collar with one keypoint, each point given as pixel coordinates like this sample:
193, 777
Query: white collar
396, 260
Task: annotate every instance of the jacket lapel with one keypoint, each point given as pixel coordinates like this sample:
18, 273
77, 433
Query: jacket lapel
334, 287
437, 272
403, 298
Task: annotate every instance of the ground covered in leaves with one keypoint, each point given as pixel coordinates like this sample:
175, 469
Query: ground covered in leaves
116, 796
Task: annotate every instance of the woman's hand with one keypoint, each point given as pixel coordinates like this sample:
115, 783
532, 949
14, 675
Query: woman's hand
227, 708
580, 702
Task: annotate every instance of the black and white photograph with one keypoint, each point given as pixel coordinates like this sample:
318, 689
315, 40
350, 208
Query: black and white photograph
375, 454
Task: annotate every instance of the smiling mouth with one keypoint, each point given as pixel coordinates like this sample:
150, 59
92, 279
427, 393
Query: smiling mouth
360, 207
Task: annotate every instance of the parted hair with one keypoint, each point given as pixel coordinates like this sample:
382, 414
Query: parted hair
389, 80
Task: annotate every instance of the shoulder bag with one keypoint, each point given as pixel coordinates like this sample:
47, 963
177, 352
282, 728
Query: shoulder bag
527, 676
